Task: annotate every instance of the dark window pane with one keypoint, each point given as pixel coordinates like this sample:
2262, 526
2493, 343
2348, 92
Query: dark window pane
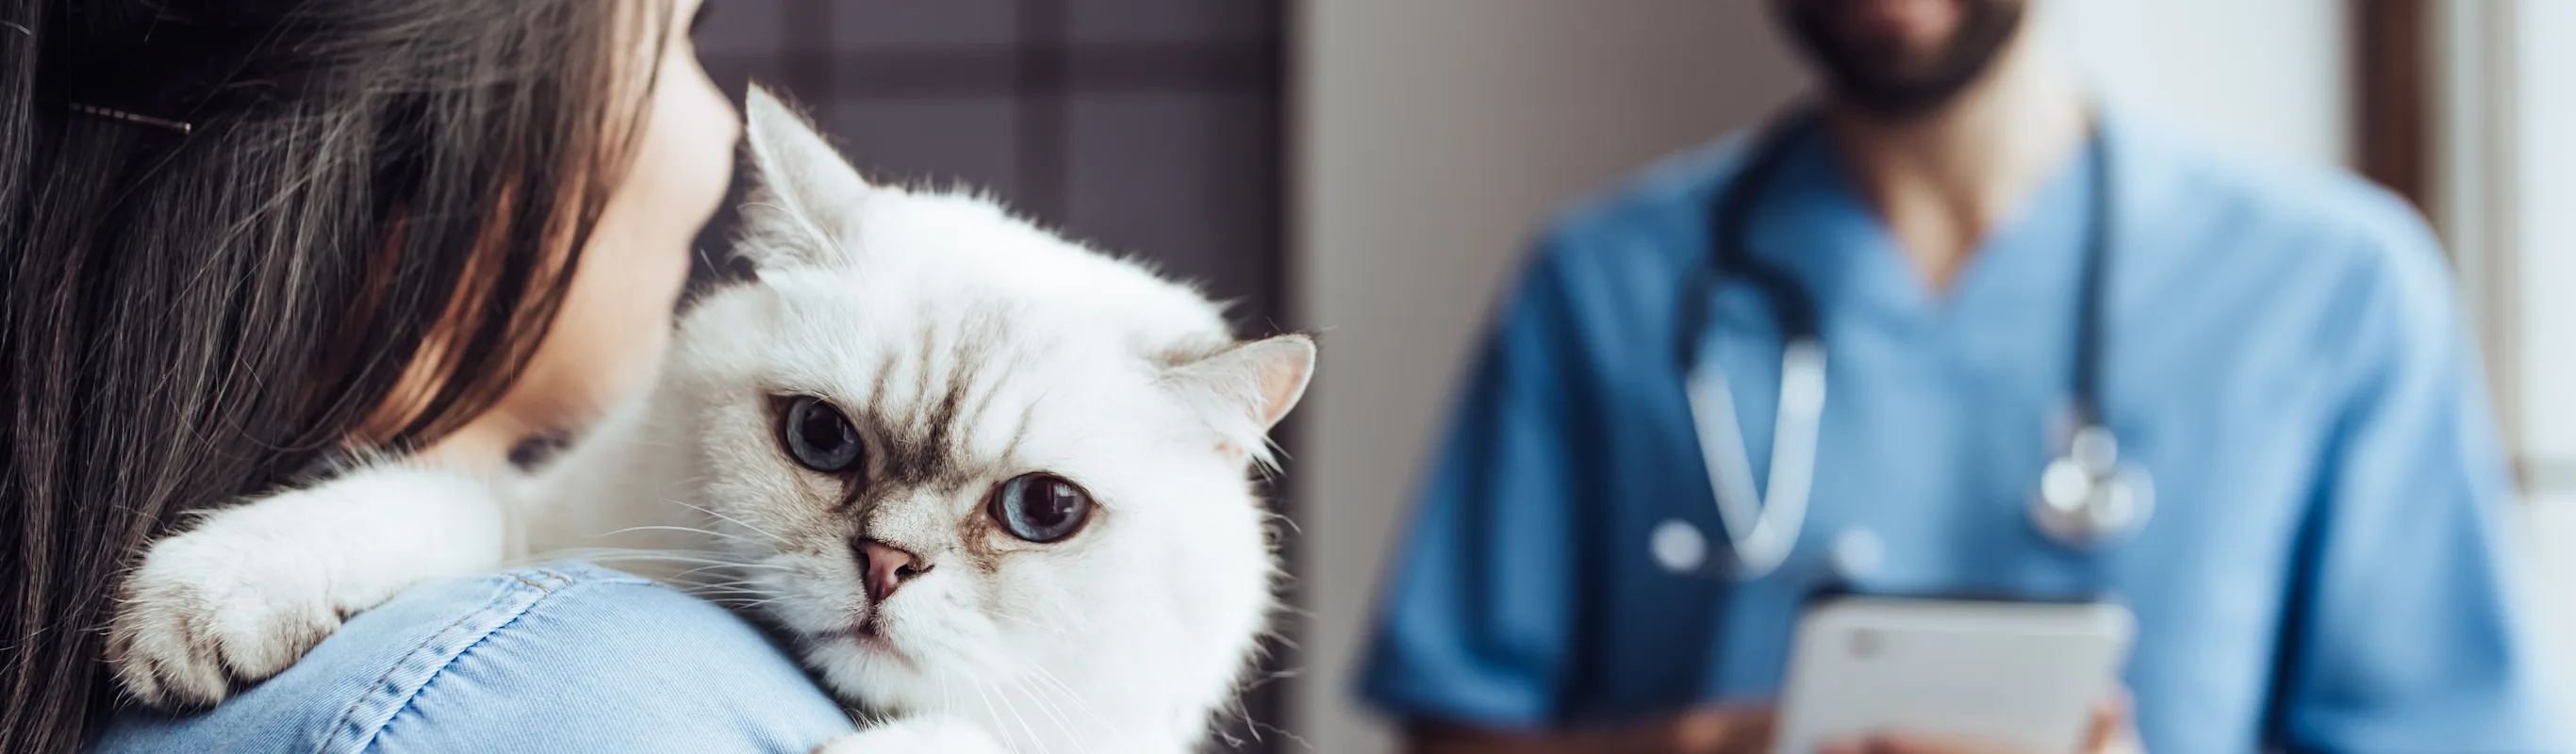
1168, 21
930, 142
881, 25
1186, 179
740, 27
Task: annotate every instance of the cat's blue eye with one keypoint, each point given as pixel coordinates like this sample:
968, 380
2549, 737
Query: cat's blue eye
1040, 507
819, 436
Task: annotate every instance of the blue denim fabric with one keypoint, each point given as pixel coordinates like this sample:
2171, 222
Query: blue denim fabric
566, 657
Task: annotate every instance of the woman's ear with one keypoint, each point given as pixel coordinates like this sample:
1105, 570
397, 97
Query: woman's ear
802, 187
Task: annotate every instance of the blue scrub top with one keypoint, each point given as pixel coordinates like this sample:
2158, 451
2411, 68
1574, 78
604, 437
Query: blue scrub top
2325, 568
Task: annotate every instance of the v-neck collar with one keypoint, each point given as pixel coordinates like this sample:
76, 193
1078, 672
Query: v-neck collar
1815, 223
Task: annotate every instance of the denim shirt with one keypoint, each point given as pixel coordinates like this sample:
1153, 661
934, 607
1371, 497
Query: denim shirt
566, 657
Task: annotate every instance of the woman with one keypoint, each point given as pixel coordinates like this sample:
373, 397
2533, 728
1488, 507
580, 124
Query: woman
244, 238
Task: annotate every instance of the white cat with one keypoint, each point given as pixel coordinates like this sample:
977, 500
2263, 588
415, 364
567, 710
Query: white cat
996, 486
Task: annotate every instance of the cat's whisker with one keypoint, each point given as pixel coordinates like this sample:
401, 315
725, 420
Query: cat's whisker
736, 521
701, 569
646, 557
1054, 716
1266, 678
699, 577
1051, 630
1067, 617
680, 559
734, 584
586, 553
732, 592
947, 694
612, 556
1283, 520
685, 529
997, 711
712, 591
1257, 725
714, 575
1070, 695
719, 584
1054, 713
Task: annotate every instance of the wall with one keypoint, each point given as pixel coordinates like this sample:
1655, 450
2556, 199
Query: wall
2543, 177
2505, 173
1430, 137
2265, 77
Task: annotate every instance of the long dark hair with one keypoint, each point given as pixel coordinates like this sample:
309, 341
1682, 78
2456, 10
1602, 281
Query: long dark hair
240, 236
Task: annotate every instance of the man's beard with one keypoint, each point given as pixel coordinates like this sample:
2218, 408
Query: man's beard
1880, 78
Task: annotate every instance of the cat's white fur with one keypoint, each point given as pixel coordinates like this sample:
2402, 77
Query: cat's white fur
969, 347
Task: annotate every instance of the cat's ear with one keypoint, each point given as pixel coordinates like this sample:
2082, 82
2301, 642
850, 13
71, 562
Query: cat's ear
800, 185
1245, 390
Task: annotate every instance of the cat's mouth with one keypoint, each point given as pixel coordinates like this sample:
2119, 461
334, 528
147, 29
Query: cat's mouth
870, 634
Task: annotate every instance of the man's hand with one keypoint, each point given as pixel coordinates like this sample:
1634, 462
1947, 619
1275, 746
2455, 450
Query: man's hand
2109, 733
1721, 730
1741, 729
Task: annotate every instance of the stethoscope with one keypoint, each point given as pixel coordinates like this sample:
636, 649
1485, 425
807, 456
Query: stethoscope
2085, 496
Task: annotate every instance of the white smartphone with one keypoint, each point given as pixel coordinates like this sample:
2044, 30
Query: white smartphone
2017, 674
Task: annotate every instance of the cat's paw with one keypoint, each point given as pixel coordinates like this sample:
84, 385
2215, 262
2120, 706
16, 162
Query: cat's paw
254, 586
928, 734
202, 613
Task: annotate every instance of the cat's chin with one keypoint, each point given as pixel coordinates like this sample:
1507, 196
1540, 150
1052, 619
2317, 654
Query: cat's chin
871, 672
870, 637
862, 643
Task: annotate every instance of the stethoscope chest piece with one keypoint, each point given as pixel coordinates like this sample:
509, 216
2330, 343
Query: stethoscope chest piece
2088, 496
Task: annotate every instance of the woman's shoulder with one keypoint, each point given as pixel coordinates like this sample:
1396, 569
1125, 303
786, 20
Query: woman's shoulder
562, 657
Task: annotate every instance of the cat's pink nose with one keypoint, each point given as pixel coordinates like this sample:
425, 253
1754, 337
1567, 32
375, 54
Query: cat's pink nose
887, 567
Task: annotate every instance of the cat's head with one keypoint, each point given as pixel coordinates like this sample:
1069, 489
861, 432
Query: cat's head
974, 467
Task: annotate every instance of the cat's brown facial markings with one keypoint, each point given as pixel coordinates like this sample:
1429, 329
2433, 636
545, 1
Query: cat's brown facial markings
819, 495
927, 419
976, 543
985, 545
948, 393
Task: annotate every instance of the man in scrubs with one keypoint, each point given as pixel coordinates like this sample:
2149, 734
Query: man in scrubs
2281, 350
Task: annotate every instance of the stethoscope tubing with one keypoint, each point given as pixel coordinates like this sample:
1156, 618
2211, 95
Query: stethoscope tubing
1764, 528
